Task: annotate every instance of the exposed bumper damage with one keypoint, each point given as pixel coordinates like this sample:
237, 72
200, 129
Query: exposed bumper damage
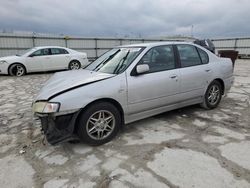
58, 129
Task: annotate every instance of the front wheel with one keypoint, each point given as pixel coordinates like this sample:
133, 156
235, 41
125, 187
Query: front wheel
74, 65
213, 95
17, 70
99, 123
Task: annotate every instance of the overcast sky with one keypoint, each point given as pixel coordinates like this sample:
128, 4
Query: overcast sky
210, 18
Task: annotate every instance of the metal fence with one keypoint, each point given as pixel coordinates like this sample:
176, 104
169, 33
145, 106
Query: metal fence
14, 43
11, 44
242, 45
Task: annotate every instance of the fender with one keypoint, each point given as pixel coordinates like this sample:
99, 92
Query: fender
75, 87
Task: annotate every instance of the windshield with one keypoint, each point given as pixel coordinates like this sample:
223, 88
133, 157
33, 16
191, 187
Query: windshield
24, 52
116, 60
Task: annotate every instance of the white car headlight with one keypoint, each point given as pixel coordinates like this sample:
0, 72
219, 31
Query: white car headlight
45, 107
3, 61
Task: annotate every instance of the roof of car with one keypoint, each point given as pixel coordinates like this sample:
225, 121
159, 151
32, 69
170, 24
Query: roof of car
155, 44
41, 47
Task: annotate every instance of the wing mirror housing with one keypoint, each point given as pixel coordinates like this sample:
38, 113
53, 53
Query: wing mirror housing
143, 68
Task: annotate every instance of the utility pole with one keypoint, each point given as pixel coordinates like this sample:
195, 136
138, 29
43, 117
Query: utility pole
192, 30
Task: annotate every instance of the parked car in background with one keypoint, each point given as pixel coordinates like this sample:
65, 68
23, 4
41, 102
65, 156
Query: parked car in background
129, 83
46, 58
206, 43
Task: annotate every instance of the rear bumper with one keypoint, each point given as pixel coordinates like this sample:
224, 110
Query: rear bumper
58, 129
85, 63
228, 82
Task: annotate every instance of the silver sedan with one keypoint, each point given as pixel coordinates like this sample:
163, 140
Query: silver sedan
129, 83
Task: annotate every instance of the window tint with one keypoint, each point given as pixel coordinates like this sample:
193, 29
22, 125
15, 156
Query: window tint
159, 58
204, 56
41, 52
56, 51
188, 55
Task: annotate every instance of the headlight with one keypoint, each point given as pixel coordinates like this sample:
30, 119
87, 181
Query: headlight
2, 61
46, 107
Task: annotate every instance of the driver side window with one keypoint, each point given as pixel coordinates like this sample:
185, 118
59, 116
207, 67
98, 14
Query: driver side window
41, 52
159, 58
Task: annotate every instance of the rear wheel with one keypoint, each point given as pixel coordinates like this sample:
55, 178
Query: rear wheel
74, 65
212, 96
17, 70
99, 123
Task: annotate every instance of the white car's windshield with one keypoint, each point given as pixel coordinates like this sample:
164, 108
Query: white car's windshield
116, 60
24, 52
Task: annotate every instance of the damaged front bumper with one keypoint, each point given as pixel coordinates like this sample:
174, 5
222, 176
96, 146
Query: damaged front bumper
58, 129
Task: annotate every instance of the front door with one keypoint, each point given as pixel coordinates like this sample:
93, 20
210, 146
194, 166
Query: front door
38, 60
159, 86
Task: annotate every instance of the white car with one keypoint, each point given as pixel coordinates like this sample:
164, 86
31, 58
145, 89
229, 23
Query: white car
46, 58
129, 83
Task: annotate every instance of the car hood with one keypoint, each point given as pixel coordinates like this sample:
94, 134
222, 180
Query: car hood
64, 81
9, 58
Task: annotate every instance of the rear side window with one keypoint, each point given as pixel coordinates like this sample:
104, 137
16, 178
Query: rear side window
64, 51
56, 51
188, 55
204, 56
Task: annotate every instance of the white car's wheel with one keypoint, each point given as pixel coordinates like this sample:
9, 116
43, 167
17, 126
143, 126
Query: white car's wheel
17, 70
74, 65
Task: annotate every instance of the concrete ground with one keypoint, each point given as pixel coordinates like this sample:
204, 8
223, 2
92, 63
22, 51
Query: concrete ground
190, 147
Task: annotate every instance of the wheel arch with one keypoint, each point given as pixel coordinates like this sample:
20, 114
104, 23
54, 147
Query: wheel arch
17, 64
110, 100
74, 59
222, 84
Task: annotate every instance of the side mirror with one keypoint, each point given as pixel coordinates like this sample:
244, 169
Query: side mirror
143, 68
31, 55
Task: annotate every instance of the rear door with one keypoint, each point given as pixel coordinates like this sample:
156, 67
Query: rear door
60, 58
195, 71
159, 86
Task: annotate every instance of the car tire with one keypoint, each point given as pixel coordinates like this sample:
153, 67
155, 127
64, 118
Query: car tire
212, 96
17, 70
99, 123
74, 65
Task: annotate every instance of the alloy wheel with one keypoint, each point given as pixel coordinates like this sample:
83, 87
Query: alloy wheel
20, 70
100, 125
213, 94
74, 65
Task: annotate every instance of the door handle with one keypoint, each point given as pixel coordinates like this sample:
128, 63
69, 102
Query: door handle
208, 70
173, 76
